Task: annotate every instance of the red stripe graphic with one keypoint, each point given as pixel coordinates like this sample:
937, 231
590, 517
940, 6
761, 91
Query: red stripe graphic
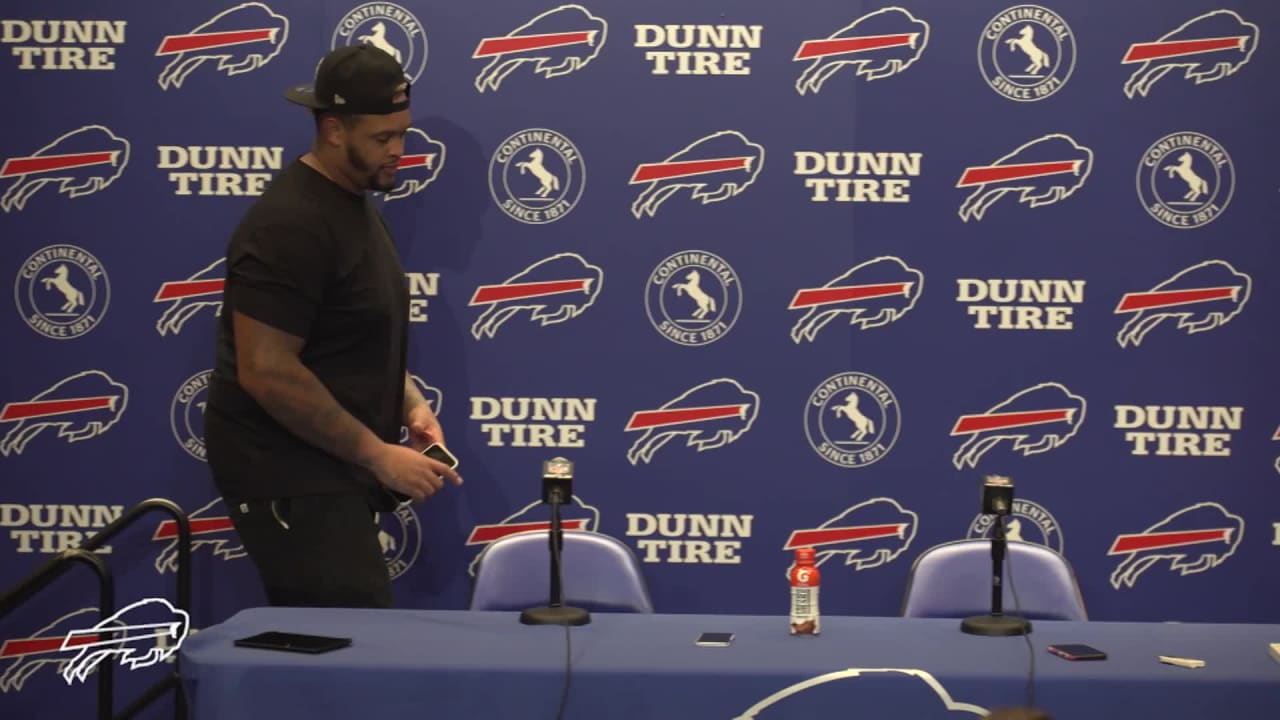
174, 44
483, 534
688, 168
840, 46
189, 288
1141, 52
49, 408
1017, 171
1133, 302
825, 296
199, 526
49, 163
486, 294
968, 424
489, 47
679, 416
1277, 435
830, 535
36, 646
426, 160
1178, 538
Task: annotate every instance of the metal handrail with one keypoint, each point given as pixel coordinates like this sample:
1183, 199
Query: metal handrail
16, 596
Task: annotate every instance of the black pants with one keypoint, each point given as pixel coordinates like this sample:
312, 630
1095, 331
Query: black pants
315, 550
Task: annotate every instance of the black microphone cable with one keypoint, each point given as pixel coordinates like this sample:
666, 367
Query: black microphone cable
568, 647
1017, 607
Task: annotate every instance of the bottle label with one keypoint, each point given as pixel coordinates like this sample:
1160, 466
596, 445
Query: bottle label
805, 619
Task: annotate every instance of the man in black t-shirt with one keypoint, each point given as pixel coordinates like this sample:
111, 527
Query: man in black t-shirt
310, 389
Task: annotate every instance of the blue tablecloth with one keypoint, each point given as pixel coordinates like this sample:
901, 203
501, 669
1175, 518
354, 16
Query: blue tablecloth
462, 664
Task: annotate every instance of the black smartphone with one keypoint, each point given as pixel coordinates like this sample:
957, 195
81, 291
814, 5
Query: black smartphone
293, 642
436, 451
1077, 651
714, 639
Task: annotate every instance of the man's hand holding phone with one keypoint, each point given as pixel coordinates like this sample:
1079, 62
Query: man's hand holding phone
413, 476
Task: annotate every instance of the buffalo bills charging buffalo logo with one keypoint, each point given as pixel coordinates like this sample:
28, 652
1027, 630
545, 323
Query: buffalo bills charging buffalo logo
713, 169
870, 534
211, 529
535, 517
709, 416
419, 166
1202, 297
81, 162
1042, 172
1206, 48
877, 45
552, 290
22, 657
555, 43
870, 294
79, 407
140, 635
1192, 540
430, 393
240, 39
1035, 420
185, 298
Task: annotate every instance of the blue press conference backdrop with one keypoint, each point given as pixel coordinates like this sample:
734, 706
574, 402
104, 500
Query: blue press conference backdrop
771, 274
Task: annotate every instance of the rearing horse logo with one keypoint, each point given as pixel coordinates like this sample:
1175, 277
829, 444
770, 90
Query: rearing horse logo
62, 291
549, 182
1198, 185
693, 297
378, 39
706, 303
1026, 53
536, 176
862, 399
1026, 43
1185, 180
862, 424
60, 282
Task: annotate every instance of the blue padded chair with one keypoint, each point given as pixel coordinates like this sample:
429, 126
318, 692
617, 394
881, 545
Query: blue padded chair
600, 573
953, 580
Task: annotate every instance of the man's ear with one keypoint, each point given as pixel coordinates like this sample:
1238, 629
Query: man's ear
332, 131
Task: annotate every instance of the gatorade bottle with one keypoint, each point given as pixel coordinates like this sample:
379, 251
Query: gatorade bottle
805, 619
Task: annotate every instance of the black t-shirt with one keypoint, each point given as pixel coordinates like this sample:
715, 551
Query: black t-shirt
315, 261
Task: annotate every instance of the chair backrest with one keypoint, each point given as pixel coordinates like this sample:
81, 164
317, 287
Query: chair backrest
600, 573
954, 580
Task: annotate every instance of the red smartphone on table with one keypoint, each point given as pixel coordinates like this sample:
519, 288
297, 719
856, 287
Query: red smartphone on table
1077, 651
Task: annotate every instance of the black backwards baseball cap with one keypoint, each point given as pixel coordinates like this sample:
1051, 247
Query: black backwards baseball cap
356, 80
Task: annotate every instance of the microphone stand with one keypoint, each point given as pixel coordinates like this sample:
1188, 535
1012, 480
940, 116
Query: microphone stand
996, 623
555, 612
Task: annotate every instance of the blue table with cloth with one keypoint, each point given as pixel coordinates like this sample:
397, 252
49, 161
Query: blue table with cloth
466, 664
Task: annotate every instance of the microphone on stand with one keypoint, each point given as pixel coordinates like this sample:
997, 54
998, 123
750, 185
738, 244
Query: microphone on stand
557, 489
997, 499
997, 495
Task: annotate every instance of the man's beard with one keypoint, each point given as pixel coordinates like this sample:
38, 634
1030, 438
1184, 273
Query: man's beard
369, 173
